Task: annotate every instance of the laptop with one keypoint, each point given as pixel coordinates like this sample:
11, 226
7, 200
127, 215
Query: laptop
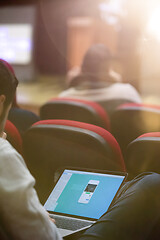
80, 197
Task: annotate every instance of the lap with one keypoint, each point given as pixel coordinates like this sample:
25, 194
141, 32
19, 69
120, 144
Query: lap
134, 213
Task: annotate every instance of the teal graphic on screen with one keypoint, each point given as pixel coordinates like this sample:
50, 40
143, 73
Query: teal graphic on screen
81, 194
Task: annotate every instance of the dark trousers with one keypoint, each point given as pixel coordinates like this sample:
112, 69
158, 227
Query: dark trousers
135, 213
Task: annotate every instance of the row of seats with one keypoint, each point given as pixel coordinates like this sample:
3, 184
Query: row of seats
52, 144
127, 121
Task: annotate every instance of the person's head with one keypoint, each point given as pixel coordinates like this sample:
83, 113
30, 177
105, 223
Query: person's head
8, 84
97, 61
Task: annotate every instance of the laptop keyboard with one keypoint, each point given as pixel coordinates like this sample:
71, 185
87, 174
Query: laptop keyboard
70, 223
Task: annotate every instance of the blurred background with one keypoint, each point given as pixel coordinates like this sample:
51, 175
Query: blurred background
43, 39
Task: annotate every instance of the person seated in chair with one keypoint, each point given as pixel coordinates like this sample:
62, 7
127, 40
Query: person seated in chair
134, 214
96, 81
21, 118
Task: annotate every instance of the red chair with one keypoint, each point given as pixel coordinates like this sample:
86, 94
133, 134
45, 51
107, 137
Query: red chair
143, 154
111, 104
53, 144
129, 121
13, 136
75, 109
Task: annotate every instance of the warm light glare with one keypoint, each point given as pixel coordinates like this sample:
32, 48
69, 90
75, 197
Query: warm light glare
154, 23
110, 10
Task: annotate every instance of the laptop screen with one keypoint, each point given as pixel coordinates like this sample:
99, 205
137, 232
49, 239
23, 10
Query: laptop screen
85, 194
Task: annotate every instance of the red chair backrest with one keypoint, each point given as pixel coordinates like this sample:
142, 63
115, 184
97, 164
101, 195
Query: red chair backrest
107, 136
143, 154
129, 121
77, 110
13, 136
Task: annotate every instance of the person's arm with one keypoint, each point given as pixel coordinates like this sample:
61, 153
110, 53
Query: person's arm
22, 215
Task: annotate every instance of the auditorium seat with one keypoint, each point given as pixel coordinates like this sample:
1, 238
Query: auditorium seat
22, 118
143, 154
13, 136
75, 109
131, 120
53, 144
110, 105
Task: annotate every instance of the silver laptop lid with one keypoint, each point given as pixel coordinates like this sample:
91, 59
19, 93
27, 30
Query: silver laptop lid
84, 193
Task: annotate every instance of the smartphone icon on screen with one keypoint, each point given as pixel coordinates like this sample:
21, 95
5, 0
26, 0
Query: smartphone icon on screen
88, 191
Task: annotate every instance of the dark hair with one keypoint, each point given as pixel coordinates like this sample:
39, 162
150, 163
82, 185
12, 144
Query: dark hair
94, 59
8, 81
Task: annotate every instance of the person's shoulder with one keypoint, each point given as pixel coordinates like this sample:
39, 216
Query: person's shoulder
130, 88
4, 144
7, 151
123, 85
11, 159
68, 92
129, 85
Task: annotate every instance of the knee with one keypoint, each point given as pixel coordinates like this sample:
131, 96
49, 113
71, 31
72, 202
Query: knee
146, 185
149, 181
